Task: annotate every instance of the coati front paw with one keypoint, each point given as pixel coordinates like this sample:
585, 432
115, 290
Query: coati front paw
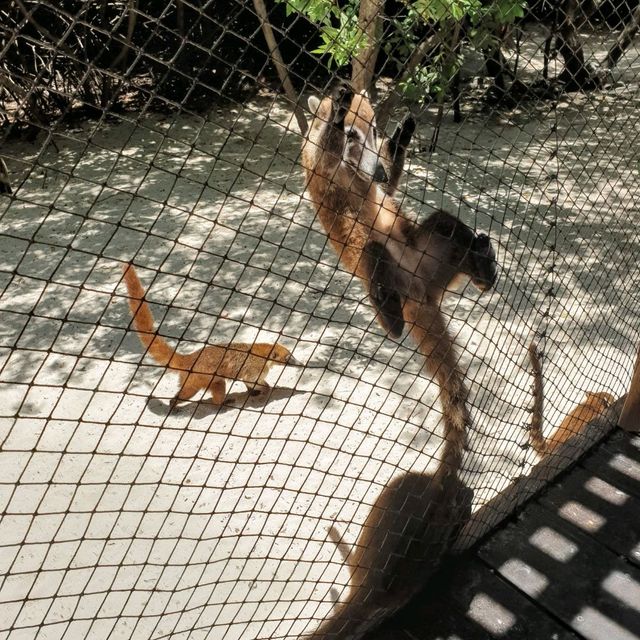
342, 97
485, 270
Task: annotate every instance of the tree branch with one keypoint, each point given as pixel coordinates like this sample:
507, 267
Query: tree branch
394, 97
364, 63
281, 68
624, 39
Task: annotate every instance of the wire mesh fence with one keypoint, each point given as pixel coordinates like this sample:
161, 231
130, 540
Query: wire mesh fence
351, 414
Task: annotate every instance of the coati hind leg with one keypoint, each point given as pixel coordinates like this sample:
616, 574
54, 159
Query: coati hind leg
191, 383
189, 386
453, 249
383, 288
217, 388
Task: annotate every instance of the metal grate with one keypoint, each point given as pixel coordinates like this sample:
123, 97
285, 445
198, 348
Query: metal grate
157, 134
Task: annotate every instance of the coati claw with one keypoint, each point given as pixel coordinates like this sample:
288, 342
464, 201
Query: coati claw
401, 137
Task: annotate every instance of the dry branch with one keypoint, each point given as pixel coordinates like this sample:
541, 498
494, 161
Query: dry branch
364, 63
131, 25
281, 68
394, 97
624, 39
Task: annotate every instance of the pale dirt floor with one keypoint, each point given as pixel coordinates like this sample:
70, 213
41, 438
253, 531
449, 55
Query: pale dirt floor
124, 519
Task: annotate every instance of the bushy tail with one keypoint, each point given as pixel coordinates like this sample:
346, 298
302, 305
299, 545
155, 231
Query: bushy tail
160, 351
441, 361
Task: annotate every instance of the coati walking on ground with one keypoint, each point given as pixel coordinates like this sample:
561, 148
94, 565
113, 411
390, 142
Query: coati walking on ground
595, 404
209, 367
406, 268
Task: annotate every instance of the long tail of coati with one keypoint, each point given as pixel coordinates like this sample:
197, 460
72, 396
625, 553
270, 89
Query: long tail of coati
593, 406
536, 436
143, 322
434, 342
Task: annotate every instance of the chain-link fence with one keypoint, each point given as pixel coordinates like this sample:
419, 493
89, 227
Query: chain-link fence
353, 414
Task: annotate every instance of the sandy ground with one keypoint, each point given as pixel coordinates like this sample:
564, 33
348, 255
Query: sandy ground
124, 519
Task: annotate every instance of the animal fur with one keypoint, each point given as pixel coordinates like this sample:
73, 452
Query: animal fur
409, 528
209, 367
594, 405
406, 268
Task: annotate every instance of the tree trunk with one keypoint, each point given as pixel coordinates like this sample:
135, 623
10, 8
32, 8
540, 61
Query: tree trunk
364, 64
281, 68
496, 63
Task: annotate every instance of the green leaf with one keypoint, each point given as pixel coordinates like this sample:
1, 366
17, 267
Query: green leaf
506, 11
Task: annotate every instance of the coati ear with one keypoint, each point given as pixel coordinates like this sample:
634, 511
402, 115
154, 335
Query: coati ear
314, 104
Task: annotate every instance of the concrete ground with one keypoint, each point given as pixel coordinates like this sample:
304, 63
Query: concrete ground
125, 519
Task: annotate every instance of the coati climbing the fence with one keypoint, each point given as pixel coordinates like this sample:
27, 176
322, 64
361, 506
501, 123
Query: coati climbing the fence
595, 404
209, 367
406, 268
